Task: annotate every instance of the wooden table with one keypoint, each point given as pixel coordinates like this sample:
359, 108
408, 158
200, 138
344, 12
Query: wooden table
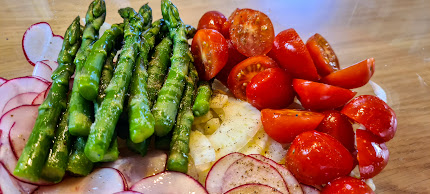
395, 33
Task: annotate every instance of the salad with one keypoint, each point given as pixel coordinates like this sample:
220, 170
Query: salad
132, 107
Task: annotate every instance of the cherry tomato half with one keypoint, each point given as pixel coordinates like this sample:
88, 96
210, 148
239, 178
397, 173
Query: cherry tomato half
374, 114
352, 77
337, 125
316, 158
348, 185
271, 88
319, 96
251, 32
322, 54
226, 26
372, 154
210, 52
243, 72
284, 125
212, 20
234, 58
292, 55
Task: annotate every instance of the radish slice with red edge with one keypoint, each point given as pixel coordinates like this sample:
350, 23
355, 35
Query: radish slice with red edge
102, 180
2, 81
128, 192
309, 189
16, 86
40, 43
8, 184
21, 130
135, 168
23, 118
42, 70
52, 64
39, 98
253, 188
19, 100
292, 183
216, 173
250, 170
168, 182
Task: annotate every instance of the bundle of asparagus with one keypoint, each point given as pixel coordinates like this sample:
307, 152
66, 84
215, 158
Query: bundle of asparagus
71, 133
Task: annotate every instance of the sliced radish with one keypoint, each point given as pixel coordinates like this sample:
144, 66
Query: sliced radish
52, 64
102, 180
19, 100
250, 170
128, 192
134, 168
40, 43
23, 118
20, 85
49, 88
253, 188
2, 81
9, 184
216, 173
309, 190
21, 130
42, 70
292, 183
168, 182
39, 98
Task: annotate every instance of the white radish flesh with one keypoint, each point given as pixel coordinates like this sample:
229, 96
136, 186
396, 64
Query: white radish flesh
309, 190
39, 98
168, 182
250, 170
52, 64
292, 183
253, 188
135, 167
216, 173
102, 180
39, 43
2, 81
19, 100
21, 130
42, 70
8, 184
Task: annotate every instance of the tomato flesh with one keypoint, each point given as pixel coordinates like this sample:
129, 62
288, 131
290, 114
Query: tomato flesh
234, 58
285, 124
242, 73
351, 77
270, 88
292, 55
374, 114
212, 20
226, 26
316, 158
210, 52
347, 184
319, 96
322, 54
372, 154
337, 125
251, 32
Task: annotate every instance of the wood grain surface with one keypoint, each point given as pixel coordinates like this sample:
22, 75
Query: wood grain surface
395, 32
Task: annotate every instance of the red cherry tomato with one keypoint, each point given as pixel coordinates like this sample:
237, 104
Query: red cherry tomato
234, 58
374, 114
372, 154
352, 77
243, 72
212, 20
348, 185
251, 32
284, 125
322, 54
291, 53
318, 96
316, 158
338, 126
270, 88
226, 26
210, 52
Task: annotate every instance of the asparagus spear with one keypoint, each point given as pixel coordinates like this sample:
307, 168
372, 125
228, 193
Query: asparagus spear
107, 115
36, 150
166, 107
80, 109
157, 68
201, 104
140, 117
89, 78
79, 164
179, 146
106, 76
